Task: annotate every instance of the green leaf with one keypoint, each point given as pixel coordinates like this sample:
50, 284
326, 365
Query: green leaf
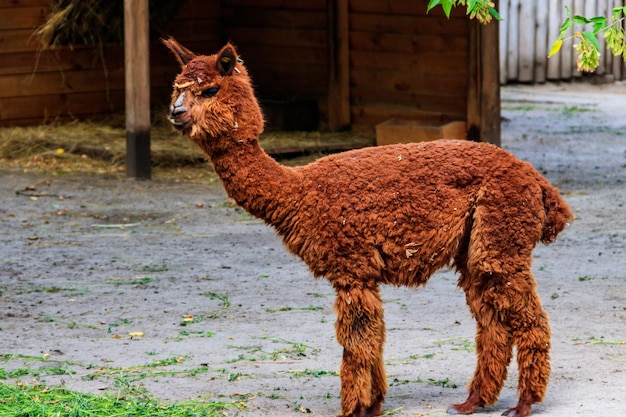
432, 4
592, 38
581, 20
556, 47
565, 27
494, 13
599, 24
446, 5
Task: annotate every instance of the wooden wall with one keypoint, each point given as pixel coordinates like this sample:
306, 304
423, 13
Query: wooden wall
60, 83
404, 63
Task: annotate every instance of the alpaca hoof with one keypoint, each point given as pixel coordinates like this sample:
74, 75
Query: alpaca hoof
373, 410
518, 411
455, 409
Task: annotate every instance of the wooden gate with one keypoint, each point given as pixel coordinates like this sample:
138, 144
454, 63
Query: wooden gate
528, 29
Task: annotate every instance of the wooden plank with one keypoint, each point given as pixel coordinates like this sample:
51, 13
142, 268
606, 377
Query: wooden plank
483, 103
541, 42
578, 9
137, 71
512, 70
448, 64
285, 19
553, 70
407, 80
338, 92
9, 4
617, 62
566, 52
284, 56
526, 41
197, 30
406, 24
448, 107
43, 83
504, 41
24, 17
490, 86
473, 110
594, 8
275, 82
275, 4
277, 37
410, 44
60, 59
17, 40
403, 7
43, 108
196, 9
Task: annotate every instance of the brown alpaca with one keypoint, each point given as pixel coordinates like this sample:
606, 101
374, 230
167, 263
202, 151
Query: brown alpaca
389, 215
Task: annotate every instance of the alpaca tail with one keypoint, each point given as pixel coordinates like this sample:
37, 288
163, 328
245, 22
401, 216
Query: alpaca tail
558, 213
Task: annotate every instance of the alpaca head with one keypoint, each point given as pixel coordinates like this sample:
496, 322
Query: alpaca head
213, 102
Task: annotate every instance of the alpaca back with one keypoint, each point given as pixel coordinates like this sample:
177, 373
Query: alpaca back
400, 212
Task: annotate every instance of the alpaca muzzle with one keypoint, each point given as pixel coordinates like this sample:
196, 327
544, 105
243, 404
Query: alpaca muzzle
177, 110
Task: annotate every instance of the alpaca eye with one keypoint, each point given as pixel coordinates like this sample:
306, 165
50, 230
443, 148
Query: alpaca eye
210, 92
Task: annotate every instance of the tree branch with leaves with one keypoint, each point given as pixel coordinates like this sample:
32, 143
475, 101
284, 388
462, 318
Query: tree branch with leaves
588, 46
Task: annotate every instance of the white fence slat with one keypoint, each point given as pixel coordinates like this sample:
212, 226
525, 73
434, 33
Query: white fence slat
503, 8
526, 41
554, 24
578, 9
541, 42
567, 50
513, 50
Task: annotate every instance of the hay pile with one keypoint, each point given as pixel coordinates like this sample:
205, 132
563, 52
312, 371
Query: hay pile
90, 147
100, 147
98, 22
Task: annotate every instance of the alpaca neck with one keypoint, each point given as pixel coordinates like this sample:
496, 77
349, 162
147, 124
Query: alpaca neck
257, 182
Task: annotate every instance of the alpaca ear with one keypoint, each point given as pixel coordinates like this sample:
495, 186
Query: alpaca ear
226, 60
182, 54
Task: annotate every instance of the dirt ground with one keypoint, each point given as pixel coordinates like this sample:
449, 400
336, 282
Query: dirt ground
166, 285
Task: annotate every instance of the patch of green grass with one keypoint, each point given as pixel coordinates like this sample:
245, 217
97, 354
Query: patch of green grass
34, 372
188, 334
140, 281
521, 107
572, 110
458, 344
225, 302
119, 323
598, 341
293, 350
313, 373
444, 383
24, 400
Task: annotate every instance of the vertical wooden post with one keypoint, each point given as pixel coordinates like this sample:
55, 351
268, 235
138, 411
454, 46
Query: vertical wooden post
483, 95
490, 83
338, 65
137, 72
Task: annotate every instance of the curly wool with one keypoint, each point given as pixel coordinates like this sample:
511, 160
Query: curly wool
391, 215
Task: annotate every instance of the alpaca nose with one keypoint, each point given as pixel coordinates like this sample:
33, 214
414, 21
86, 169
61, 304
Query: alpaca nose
178, 107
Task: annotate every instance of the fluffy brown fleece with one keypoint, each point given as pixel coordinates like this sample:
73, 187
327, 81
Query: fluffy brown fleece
389, 215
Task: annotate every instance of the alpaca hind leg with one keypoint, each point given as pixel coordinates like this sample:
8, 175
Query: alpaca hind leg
531, 333
494, 346
361, 331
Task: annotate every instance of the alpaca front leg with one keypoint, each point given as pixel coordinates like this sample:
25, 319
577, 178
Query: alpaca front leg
361, 331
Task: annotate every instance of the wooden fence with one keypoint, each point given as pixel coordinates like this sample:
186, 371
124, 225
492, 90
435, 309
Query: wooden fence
528, 29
